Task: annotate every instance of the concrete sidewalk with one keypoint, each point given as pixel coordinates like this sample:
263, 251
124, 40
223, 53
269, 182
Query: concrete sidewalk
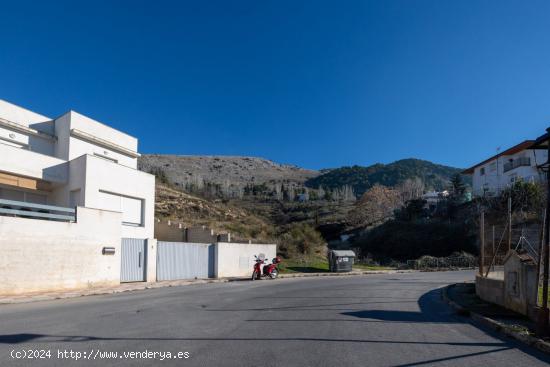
462, 298
136, 286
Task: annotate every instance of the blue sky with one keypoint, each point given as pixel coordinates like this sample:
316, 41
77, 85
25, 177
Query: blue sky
313, 83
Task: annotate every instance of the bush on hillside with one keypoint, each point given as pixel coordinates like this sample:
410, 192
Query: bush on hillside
526, 196
301, 239
404, 240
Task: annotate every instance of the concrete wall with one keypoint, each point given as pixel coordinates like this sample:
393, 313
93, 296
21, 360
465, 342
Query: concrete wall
116, 179
62, 126
237, 259
517, 291
175, 232
41, 255
31, 164
76, 146
21, 115
169, 233
31, 120
490, 290
200, 235
520, 279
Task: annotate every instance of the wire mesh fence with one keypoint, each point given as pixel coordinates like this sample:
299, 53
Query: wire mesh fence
454, 261
498, 237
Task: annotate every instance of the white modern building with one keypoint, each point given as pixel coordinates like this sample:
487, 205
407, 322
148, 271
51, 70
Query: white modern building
520, 162
53, 170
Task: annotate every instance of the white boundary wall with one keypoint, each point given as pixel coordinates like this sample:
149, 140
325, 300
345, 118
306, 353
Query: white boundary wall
237, 259
41, 255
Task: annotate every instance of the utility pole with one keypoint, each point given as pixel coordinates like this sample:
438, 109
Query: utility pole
493, 243
510, 222
539, 252
542, 324
482, 242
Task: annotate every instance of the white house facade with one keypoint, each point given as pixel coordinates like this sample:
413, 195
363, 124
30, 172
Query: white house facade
495, 174
73, 161
63, 181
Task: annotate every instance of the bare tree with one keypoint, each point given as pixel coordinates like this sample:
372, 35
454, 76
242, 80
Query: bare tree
321, 192
375, 206
410, 189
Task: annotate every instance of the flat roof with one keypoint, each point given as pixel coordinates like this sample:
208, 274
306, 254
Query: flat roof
527, 144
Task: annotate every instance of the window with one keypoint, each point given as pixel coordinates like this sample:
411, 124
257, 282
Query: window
493, 167
131, 208
482, 171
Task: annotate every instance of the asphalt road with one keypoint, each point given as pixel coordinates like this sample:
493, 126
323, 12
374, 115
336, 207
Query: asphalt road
378, 320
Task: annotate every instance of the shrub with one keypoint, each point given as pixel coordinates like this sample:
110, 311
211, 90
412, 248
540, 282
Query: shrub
404, 240
301, 239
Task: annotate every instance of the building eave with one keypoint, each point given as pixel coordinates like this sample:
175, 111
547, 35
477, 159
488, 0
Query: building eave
541, 142
26, 130
93, 139
527, 144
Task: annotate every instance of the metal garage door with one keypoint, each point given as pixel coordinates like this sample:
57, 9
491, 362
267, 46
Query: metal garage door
133, 257
181, 260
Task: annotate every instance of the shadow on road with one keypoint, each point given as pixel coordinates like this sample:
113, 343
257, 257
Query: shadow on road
431, 310
43, 338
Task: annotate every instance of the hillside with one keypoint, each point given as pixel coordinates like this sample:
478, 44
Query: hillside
191, 211
257, 197
434, 176
231, 173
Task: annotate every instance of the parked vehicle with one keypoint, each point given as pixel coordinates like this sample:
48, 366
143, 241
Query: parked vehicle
264, 268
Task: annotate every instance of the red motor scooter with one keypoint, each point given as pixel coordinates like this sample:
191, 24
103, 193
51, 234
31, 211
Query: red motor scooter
264, 268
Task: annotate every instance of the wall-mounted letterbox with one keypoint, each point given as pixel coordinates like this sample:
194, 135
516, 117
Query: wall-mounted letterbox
108, 251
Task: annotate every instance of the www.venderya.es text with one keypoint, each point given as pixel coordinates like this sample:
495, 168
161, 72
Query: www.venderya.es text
95, 354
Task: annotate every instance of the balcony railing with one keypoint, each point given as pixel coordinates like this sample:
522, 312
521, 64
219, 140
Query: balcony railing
522, 161
36, 211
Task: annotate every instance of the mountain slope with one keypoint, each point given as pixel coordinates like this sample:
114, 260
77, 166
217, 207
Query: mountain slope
183, 171
191, 211
435, 176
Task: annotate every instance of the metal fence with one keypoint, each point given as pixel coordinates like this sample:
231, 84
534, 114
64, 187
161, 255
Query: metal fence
133, 260
497, 237
36, 211
182, 260
456, 261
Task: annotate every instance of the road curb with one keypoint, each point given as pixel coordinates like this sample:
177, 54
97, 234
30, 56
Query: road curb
499, 327
353, 273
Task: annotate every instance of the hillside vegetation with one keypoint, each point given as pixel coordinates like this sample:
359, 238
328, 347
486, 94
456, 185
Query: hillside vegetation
189, 210
224, 176
435, 176
299, 209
